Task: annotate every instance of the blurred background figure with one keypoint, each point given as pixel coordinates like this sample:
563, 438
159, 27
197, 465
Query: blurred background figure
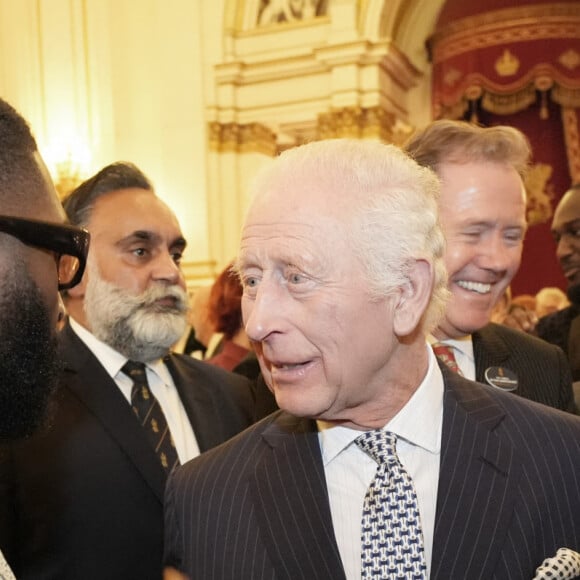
524, 301
189, 343
563, 327
517, 312
550, 299
500, 310
203, 329
225, 316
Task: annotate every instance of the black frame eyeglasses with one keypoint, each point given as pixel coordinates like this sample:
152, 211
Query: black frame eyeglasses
70, 244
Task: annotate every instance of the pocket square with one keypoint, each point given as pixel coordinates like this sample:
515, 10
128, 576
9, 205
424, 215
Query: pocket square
564, 565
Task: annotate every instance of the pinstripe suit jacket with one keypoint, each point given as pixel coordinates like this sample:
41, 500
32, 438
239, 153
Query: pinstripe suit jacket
256, 508
543, 371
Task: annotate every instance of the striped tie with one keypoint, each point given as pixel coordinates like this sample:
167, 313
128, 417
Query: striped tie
444, 353
150, 415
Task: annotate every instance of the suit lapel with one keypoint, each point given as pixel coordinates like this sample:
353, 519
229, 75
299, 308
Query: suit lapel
85, 377
477, 484
291, 499
489, 350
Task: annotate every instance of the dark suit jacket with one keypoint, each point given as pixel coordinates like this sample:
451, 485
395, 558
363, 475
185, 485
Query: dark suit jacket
84, 500
542, 369
257, 508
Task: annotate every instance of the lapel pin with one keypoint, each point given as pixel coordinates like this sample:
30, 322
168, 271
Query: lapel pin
501, 378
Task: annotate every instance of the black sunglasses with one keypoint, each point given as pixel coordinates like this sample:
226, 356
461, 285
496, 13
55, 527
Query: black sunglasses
69, 244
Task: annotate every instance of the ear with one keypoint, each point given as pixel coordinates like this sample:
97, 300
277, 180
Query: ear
413, 299
78, 291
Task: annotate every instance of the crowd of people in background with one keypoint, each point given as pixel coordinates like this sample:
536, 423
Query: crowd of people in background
358, 378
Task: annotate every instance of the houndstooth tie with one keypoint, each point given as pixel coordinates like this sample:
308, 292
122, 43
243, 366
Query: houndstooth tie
147, 409
392, 539
444, 353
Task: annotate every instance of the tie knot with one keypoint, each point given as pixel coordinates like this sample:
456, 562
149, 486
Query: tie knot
134, 369
442, 350
380, 445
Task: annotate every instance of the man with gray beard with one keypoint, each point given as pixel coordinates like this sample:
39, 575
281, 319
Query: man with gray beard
88, 494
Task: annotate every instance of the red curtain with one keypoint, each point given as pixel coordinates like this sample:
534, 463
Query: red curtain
519, 66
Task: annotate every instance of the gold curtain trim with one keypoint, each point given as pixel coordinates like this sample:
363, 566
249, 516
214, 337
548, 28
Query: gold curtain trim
569, 98
507, 26
572, 140
508, 104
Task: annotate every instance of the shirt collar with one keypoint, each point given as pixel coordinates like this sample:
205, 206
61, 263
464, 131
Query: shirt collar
418, 422
463, 344
110, 359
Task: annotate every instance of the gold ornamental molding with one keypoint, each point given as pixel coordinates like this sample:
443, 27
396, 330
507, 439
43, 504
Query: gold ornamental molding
242, 138
357, 123
540, 193
506, 26
570, 121
507, 64
570, 59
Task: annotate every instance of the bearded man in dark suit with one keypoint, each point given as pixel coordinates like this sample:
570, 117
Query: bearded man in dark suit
483, 214
380, 463
39, 255
85, 498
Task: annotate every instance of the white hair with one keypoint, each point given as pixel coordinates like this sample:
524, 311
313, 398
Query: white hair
392, 204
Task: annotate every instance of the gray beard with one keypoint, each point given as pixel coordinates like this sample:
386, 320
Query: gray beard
135, 326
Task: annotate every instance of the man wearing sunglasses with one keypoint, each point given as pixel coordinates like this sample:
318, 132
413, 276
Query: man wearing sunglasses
38, 256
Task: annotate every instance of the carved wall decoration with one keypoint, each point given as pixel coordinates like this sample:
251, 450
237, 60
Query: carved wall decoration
540, 194
283, 11
356, 123
242, 138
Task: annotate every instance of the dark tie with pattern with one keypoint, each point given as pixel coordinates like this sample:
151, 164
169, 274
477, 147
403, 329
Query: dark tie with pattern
444, 353
392, 538
150, 415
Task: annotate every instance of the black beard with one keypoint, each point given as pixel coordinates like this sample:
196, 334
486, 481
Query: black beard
29, 361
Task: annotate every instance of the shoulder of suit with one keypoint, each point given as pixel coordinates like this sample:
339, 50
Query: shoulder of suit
556, 320
242, 447
187, 363
514, 338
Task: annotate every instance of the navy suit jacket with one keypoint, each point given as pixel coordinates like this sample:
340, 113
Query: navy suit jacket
542, 369
84, 500
257, 507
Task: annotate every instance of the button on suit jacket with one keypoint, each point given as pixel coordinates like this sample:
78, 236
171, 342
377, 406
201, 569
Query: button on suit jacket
256, 508
84, 500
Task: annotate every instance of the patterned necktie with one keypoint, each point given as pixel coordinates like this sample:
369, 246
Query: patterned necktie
444, 353
150, 415
392, 539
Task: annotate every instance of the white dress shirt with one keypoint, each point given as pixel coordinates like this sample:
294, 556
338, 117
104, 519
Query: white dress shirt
5, 571
161, 385
349, 470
